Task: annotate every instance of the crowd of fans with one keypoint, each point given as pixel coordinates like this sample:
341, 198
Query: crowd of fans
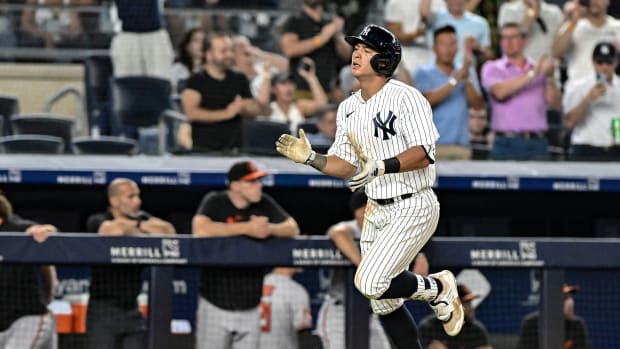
488, 102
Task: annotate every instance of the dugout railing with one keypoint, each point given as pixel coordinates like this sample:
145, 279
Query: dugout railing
552, 258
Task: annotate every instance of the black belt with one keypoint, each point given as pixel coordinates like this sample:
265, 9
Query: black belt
393, 200
526, 135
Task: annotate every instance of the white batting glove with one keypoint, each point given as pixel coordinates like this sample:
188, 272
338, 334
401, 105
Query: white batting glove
371, 170
296, 149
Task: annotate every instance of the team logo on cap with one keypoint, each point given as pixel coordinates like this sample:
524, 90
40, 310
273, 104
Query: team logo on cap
605, 49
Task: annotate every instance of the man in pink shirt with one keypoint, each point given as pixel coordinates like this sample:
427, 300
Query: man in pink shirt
520, 92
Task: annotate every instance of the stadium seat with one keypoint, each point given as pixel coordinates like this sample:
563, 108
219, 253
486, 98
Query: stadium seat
97, 73
45, 124
140, 101
31, 144
308, 127
105, 145
9, 105
259, 137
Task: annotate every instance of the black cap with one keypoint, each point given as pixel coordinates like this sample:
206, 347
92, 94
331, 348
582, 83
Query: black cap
281, 77
244, 171
605, 51
357, 200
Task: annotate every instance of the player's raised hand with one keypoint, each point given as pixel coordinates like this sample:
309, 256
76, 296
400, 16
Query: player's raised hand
296, 149
371, 170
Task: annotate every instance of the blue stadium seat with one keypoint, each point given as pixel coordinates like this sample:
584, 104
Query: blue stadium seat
9, 105
31, 144
97, 73
140, 101
259, 136
45, 124
105, 145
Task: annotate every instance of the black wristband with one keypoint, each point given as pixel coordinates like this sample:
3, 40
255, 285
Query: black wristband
392, 165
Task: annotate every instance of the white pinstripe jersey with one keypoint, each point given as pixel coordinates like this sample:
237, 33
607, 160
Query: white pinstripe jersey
393, 120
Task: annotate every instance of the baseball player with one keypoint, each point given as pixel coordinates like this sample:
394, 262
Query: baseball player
286, 320
385, 130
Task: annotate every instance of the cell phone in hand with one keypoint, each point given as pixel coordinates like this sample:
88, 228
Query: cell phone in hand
304, 66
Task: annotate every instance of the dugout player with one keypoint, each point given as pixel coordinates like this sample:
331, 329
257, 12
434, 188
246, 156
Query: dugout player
228, 313
385, 130
25, 322
286, 320
113, 319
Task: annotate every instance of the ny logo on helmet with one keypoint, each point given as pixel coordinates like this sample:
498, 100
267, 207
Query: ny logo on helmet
365, 31
386, 126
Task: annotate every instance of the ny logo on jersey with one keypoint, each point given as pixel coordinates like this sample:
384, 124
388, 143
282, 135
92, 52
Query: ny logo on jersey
387, 125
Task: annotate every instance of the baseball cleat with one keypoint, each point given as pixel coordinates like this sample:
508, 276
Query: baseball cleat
447, 305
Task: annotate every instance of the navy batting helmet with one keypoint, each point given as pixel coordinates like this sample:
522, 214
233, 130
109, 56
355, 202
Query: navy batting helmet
382, 41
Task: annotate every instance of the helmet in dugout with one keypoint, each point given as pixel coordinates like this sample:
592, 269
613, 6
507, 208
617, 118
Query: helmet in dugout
384, 42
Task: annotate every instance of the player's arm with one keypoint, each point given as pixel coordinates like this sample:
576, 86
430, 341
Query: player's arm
203, 226
300, 151
40, 232
119, 226
412, 159
155, 225
50, 281
342, 236
285, 229
190, 99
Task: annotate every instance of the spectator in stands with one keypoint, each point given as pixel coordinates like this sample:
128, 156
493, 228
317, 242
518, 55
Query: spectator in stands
216, 98
591, 105
520, 91
404, 19
473, 335
8, 35
451, 90
178, 24
286, 321
472, 30
228, 312
25, 321
480, 136
143, 46
252, 61
539, 19
49, 28
190, 58
326, 127
575, 331
331, 318
314, 34
582, 29
113, 318
285, 108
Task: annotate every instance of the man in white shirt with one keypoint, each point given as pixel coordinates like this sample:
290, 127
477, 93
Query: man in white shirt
591, 105
404, 19
578, 35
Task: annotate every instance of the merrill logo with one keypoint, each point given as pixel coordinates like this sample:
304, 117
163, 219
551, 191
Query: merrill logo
318, 256
525, 255
168, 253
